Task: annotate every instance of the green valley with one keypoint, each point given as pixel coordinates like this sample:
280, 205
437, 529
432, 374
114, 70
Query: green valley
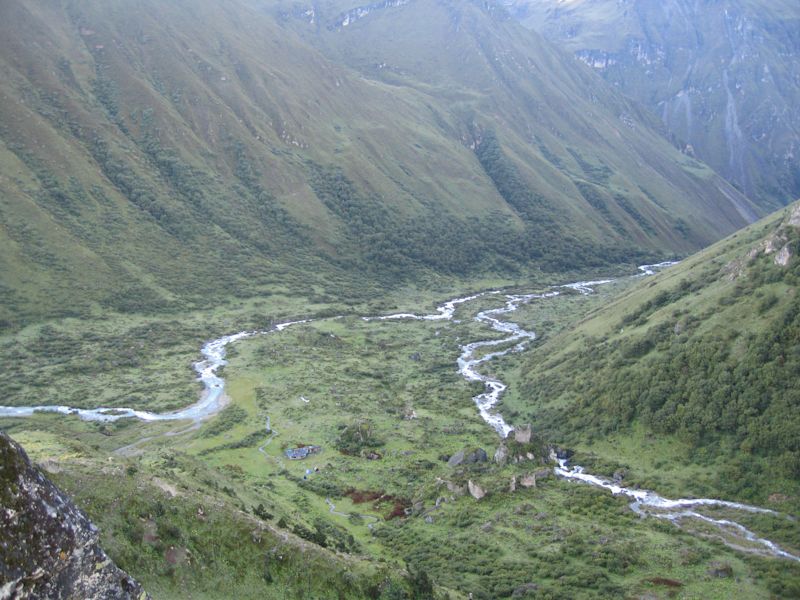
384, 402
286, 310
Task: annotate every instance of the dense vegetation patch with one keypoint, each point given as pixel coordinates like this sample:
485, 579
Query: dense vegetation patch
547, 238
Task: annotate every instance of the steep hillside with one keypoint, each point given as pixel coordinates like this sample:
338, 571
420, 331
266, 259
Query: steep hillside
723, 76
164, 157
560, 147
704, 356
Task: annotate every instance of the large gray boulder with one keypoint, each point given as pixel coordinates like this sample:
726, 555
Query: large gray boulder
477, 456
476, 490
468, 458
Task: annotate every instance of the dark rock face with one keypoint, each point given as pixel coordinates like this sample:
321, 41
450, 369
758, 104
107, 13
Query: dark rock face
456, 459
563, 453
468, 458
48, 547
478, 456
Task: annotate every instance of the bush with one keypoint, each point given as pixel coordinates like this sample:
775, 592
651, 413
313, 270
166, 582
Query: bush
356, 437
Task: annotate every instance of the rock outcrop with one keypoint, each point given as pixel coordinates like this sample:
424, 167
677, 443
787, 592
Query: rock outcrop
522, 435
476, 490
557, 454
48, 547
779, 243
501, 455
468, 458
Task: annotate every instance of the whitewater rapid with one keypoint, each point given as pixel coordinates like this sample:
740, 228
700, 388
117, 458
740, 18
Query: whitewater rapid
644, 502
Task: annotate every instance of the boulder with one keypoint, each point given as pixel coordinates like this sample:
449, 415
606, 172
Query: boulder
561, 453
522, 435
455, 489
456, 459
463, 457
783, 256
501, 455
777, 498
525, 590
477, 456
177, 555
476, 490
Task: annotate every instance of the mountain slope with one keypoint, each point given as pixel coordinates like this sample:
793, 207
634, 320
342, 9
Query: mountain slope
705, 355
586, 149
723, 76
167, 157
